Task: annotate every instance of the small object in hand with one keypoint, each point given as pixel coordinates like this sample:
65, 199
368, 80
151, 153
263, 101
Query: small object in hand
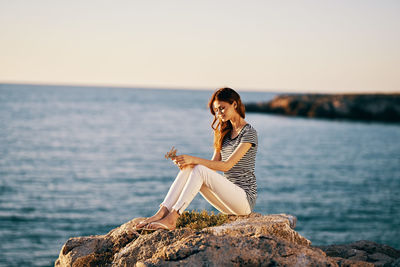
171, 154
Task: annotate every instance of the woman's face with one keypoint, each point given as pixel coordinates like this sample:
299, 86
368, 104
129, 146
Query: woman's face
223, 110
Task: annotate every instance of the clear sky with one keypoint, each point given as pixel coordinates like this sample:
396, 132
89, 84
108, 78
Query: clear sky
299, 46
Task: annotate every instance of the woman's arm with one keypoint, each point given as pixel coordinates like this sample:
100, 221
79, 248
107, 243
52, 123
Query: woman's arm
214, 164
216, 156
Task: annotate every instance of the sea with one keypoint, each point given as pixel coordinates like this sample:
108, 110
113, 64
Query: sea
80, 160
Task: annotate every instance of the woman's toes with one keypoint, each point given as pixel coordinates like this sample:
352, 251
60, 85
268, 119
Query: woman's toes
142, 224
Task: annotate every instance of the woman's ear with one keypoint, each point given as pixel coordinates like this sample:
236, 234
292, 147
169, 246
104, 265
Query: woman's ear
235, 104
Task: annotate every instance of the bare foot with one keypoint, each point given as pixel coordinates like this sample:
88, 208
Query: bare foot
168, 222
161, 213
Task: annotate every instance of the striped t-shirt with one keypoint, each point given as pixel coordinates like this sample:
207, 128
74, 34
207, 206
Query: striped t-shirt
242, 174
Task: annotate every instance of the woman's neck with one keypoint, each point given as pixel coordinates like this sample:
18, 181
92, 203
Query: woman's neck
238, 123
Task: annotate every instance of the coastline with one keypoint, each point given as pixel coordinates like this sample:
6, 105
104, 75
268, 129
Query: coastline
361, 107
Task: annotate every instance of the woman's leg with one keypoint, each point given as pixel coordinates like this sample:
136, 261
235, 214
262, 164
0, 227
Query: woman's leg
176, 188
219, 191
170, 199
213, 200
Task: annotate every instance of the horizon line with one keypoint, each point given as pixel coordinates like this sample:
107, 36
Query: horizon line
131, 86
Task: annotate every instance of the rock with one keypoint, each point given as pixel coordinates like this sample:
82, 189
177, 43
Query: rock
369, 107
368, 251
97, 250
244, 240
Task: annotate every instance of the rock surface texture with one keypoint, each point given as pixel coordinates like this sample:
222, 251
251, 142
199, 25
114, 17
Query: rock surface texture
367, 251
366, 107
253, 240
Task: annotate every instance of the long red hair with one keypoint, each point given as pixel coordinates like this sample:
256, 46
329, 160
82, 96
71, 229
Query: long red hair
223, 128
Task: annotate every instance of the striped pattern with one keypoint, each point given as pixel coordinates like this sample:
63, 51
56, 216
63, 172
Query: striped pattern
242, 174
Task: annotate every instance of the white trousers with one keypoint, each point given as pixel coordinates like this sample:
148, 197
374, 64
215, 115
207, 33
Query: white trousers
224, 195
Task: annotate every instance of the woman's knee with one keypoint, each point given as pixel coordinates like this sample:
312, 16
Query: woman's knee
200, 170
197, 168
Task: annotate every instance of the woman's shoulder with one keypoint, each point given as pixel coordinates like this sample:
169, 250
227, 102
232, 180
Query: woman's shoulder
250, 128
249, 132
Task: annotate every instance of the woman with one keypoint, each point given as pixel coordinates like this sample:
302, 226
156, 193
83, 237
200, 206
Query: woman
235, 148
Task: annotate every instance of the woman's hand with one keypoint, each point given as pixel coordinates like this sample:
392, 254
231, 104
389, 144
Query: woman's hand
184, 161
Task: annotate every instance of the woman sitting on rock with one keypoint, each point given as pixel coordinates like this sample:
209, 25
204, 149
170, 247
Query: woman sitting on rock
235, 144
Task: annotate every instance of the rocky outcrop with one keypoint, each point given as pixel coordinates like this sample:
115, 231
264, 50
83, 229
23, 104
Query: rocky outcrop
244, 240
366, 107
365, 251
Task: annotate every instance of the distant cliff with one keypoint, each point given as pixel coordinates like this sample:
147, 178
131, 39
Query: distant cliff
366, 107
253, 240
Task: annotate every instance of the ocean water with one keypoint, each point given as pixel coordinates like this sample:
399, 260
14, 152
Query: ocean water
78, 161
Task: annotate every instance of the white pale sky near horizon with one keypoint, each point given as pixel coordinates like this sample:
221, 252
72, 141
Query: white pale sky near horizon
300, 46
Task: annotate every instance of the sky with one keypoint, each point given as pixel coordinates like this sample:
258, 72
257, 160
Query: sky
292, 46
